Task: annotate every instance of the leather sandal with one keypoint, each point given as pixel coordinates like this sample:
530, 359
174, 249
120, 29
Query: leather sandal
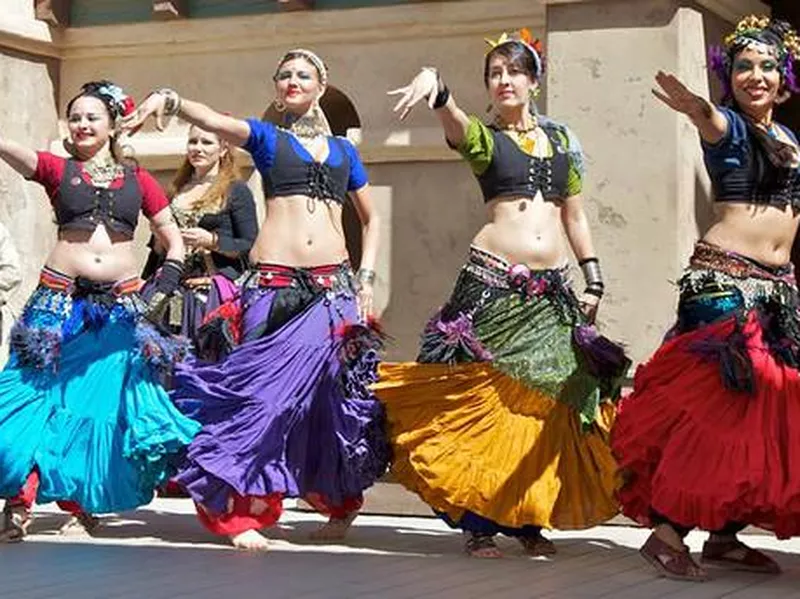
537, 546
16, 519
482, 546
676, 564
718, 554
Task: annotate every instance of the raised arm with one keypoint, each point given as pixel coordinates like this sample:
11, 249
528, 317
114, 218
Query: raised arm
428, 84
167, 103
21, 159
710, 122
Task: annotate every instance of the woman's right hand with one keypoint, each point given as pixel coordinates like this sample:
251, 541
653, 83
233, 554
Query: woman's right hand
424, 85
153, 105
678, 97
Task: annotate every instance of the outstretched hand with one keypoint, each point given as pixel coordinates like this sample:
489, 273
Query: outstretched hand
424, 85
153, 105
677, 96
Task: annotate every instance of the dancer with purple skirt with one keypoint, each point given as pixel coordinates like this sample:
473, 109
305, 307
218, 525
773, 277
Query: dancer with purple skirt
289, 413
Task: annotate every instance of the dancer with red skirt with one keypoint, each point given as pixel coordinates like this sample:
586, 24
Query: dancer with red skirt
708, 439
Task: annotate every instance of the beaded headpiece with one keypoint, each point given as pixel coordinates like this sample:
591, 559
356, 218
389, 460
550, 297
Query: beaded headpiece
757, 30
118, 102
524, 38
312, 58
314, 123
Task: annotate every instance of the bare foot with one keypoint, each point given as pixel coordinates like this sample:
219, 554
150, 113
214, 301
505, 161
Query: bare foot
80, 524
250, 540
335, 529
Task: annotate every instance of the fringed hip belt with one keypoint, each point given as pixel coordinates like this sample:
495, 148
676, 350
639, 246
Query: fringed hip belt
318, 279
498, 272
56, 292
713, 268
712, 257
63, 307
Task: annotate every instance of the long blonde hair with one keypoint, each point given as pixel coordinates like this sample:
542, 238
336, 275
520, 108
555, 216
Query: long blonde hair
213, 200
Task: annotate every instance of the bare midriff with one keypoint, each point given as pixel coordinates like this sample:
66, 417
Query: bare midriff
300, 231
761, 232
98, 255
524, 231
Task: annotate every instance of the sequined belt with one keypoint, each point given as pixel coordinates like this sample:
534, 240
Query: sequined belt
324, 277
711, 257
81, 286
496, 271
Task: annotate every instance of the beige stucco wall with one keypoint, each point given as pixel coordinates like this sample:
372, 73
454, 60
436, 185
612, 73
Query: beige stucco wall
27, 95
645, 194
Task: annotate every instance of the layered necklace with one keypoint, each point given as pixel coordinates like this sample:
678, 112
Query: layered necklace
523, 136
103, 171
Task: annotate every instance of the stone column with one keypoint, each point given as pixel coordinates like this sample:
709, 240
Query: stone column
29, 116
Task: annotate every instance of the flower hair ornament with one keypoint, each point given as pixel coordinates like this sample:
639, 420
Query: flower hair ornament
759, 31
121, 103
526, 39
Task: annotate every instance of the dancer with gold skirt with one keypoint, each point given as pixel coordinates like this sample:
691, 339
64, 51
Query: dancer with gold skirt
501, 426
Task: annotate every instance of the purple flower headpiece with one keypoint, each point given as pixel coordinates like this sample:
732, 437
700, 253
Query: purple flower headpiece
762, 30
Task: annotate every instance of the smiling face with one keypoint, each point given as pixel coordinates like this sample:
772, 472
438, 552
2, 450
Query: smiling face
203, 150
298, 85
756, 79
89, 125
508, 83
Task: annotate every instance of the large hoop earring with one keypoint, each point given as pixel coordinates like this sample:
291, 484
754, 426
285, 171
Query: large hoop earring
279, 106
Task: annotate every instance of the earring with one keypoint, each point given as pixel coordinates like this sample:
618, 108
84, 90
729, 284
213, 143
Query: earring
68, 146
279, 106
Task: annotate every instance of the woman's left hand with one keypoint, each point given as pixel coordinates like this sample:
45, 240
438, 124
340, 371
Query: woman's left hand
365, 299
197, 237
589, 304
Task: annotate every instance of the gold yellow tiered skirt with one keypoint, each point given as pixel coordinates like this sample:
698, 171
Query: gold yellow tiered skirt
502, 418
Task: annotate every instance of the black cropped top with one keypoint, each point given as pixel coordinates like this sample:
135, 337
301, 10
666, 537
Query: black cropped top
548, 160
83, 206
288, 169
741, 170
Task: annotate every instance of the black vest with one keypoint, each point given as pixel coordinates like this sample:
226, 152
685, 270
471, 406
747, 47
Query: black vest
757, 180
291, 175
82, 206
512, 172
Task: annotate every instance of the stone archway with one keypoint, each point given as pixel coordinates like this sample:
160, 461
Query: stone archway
344, 121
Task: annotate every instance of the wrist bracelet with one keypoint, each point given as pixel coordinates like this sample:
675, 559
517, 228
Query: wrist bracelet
592, 275
365, 276
442, 95
172, 101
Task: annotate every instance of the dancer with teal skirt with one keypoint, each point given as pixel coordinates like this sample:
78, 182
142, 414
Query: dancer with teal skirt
83, 419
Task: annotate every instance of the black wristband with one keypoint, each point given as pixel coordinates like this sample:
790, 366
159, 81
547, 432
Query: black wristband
595, 291
442, 95
169, 277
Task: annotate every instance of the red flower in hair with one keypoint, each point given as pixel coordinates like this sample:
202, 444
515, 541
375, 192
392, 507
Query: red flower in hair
128, 106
